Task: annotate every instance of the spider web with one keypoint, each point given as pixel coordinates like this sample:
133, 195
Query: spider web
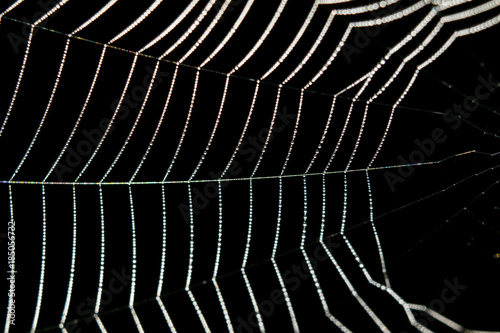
244, 167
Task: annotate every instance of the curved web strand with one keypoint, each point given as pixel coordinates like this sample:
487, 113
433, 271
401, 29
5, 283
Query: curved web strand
408, 308
245, 260
424, 44
250, 216
136, 122
80, 116
291, 145
355, 255
219, 47
294, 42
219, 294
231, 32
273, 67
385, 19
449, 18
361, 265
268, 137
374, 70
304, 60
344, 277
42, 274
257, 45
134, 264
97, 72
188, 53
117, 108
193, 48
195, 87
330, 114
56, 83
217, 261
405, 305
284, 55
446, 45
262, 38
10, 8
331, 2
275, 264
207, 31
163, 261
414, 32
193, 26
172, 25
101, 270
359, 9
370, 100
321, 295
100, 286
294, 72
25, 59
187, 288
172, 84
318, 287
446, 4
387, 287
72, 269
94, 17
450, 323
445, 19
391, 116
226, 85
188, 118
42, 268
483, 8
243, 132
224, 41
313, 48
214, 129
366, 81
158, 126
135, 23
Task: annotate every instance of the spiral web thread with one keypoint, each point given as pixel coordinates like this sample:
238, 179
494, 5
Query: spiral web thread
433, 24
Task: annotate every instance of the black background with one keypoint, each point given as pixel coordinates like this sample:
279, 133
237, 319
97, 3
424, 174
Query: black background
440, 224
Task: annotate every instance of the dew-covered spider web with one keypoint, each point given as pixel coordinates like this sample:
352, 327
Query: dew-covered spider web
250, 166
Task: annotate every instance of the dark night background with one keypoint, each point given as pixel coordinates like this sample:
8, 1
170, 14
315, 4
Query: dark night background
439, 226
